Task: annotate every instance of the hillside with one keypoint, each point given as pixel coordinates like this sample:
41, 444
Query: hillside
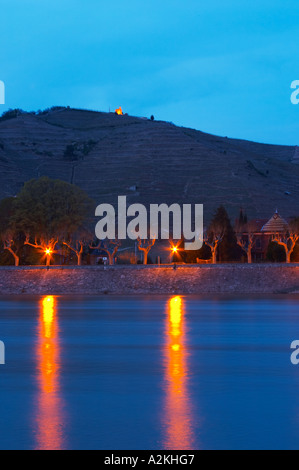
149, 161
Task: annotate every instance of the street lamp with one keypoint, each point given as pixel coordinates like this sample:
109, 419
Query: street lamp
48, 253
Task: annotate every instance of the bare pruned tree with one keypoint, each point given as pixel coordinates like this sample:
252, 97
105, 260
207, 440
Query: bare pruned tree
289, 239
45, 246
78, 248
219, 228
213, 237
77, 242
212, 240
8, 243
9, 234
110, 247
145, 246
246, 239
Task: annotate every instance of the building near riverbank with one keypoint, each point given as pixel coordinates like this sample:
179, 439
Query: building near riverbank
262, 232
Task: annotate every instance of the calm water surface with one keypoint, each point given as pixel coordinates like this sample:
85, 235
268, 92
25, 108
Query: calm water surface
149, 373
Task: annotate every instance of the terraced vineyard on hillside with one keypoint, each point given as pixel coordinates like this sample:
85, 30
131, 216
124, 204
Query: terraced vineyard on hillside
149, 161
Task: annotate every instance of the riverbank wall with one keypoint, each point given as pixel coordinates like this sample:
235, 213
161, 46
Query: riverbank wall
129, 280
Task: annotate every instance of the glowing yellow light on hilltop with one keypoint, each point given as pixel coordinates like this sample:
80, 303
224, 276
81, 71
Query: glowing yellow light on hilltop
119, 111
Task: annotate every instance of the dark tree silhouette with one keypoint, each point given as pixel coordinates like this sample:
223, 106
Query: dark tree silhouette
46, 211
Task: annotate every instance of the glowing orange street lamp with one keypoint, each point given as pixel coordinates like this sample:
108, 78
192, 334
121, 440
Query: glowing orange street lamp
174, 251
48, 253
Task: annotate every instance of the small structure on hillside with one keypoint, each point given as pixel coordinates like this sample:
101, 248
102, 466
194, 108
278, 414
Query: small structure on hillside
119, 111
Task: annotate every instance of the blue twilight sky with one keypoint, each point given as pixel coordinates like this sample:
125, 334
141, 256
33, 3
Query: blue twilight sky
223, 67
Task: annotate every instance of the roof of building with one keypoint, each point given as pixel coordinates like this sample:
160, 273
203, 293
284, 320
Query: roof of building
275, 225
256, 225
253, 226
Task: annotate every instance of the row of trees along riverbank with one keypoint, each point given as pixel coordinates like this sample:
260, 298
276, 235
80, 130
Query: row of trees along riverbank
224, 243
54, 220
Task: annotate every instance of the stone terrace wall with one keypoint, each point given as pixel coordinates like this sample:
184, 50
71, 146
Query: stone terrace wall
208, 279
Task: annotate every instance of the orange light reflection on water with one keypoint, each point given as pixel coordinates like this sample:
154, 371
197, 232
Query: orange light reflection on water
49, 407
177, 415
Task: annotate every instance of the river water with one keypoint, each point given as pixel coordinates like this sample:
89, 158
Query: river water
151, 373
